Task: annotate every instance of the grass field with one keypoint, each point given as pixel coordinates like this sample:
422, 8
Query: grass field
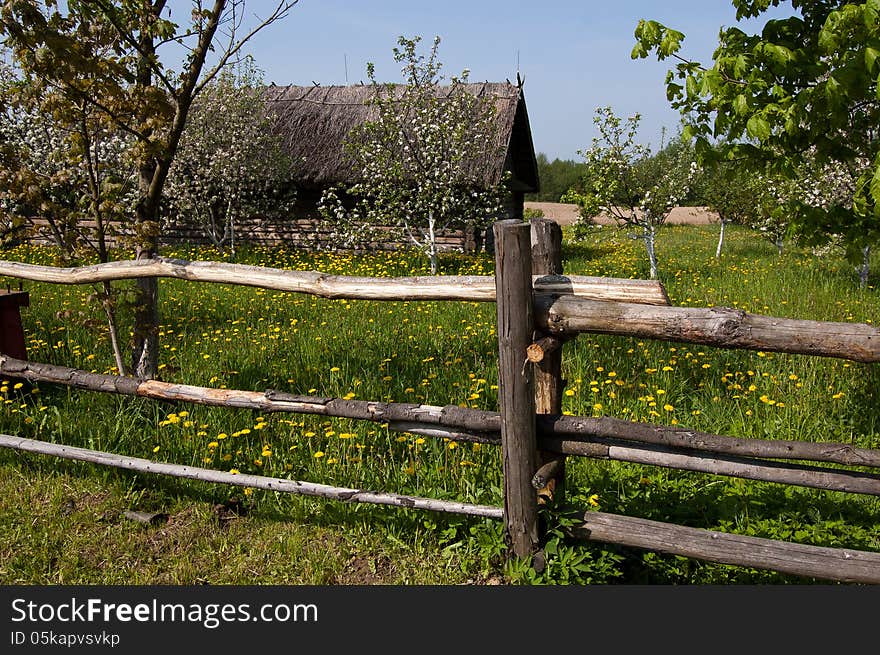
63, 521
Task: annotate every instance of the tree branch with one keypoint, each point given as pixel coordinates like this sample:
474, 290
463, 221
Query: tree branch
280, 12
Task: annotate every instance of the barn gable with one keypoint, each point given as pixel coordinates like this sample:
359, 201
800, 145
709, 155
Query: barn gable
313, 123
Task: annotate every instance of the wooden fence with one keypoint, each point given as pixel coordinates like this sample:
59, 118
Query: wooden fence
308, 233
538, 310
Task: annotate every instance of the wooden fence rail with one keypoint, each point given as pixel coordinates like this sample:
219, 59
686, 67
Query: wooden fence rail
538, 309
564, 305
721, 327
600, 437
476, 288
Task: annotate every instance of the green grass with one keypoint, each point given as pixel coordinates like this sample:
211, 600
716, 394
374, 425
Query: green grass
65, 518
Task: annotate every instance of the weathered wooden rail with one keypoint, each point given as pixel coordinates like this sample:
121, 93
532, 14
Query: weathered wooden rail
476, 288
538, 310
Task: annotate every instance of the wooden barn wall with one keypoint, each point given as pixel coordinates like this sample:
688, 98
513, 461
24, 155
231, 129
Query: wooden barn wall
303, 228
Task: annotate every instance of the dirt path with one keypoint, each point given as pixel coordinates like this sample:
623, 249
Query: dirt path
566, 214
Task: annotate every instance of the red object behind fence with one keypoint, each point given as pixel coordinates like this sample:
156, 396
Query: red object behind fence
11, 331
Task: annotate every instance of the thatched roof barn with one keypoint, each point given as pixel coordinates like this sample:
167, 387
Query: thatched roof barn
314, 121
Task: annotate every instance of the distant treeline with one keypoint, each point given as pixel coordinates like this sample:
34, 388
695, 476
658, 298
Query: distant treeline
557, 177
560, 175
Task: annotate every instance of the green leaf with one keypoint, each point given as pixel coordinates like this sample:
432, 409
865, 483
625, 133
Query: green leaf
671, 42
875, 186
740, 66
692, 88
833, 91
872, 13
673, 91
871, 55
758, 128
741, 105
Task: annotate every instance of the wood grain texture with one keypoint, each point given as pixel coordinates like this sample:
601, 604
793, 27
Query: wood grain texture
721, 327
840, 564
516, 394
476, 288
546, 239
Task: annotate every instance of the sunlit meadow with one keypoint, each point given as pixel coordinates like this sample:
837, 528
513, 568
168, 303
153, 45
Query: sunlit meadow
445, 353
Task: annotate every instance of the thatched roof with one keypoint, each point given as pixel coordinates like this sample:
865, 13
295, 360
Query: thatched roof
314, 121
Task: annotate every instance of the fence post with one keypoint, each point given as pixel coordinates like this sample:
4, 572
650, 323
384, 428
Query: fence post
516, 397
547, 260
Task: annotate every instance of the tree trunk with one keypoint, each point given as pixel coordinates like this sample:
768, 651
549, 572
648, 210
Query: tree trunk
145, 331
720, 239
109, 306
230, 219
649, 236
864, 269
432, 243
779, 246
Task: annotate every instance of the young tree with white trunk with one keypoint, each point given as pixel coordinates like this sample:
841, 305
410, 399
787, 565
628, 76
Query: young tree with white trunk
417, 160
230, 164
626, 182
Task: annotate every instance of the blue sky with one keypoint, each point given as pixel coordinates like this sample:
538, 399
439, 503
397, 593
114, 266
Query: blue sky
574, 56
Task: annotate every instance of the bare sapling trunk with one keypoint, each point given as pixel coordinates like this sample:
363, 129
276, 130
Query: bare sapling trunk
865, 268
108, 304
230, 223
432, 243
649, 237
217, 240
720, 239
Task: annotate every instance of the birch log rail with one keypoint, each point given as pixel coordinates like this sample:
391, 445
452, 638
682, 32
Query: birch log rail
841, 564
600, 437
245, 480
721, 327
476, 288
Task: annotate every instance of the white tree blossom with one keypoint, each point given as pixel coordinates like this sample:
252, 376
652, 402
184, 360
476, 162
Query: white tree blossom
417, 161
625, 181
230, 165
